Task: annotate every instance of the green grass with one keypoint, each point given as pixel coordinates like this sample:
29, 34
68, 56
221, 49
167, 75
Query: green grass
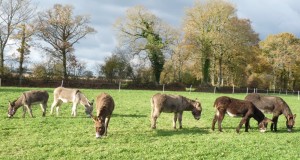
130, 136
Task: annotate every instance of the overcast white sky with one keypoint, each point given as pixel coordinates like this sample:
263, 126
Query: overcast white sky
267, 17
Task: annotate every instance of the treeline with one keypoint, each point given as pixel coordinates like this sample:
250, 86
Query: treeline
214, 47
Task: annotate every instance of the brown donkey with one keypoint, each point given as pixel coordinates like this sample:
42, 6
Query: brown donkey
274, 105
104, 106
238, 108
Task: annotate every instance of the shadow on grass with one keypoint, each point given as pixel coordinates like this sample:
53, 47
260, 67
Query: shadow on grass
70, 117
129, 115
185, 131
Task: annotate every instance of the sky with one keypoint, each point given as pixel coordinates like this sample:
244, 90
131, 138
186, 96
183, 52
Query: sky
267, 17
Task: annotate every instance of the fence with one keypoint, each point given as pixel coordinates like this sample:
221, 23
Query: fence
104, 84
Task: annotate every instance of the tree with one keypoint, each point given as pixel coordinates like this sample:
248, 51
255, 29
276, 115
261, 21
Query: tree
75, 66
143, 32
24, 37
39, 71
61, 29
116, 67
218, 36
12, 14
282, 52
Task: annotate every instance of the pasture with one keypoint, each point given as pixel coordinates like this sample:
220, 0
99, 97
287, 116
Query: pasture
130, 135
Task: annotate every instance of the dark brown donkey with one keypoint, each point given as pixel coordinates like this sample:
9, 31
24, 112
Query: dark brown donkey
104, 107
274, 105
238, 108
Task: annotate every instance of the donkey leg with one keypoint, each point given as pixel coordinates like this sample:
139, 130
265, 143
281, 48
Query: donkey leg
43, 107
53, 105
214, 122
57, 107
175, 120
24, 111
274, 124
106, 125
220, 119
243, 121
74, 109
154, 116
29, 110
180, 120
247, 125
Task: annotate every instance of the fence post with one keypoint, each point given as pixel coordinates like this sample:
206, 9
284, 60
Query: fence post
247, 91
285, 92
119, 86
190, 89
267, 91
163, 88
298, 96
233, 89
215, 90
62, 83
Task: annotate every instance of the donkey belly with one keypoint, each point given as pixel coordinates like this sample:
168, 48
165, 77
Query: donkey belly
231, 114
65, 100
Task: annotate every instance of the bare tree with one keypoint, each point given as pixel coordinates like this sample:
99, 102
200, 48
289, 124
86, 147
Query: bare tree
60, 28
12, 13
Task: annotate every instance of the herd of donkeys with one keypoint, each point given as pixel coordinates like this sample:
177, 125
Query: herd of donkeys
254, 105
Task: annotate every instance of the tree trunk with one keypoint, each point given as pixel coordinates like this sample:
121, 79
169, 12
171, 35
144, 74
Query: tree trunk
157, 62
65, 64
220, 81
205, 72
21, 64
22, 52
2, 60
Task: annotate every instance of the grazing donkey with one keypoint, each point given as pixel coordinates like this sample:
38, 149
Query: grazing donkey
104, 107
238, 108
275, 105
66, 95
173, 103
27, 99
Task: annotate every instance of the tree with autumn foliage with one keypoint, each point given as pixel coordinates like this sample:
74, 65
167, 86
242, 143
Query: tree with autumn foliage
221, 40
281, 51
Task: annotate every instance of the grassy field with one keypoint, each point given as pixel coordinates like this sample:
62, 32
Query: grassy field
130, 136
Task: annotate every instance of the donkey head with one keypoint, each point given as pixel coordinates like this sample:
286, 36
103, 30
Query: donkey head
89, 108
263, 124
290, 122
196, 109
99, 126
11, 109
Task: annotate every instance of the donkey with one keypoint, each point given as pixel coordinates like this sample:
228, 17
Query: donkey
66, 95
238, 108
173, 103
27, 99
275, 105
104, 107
